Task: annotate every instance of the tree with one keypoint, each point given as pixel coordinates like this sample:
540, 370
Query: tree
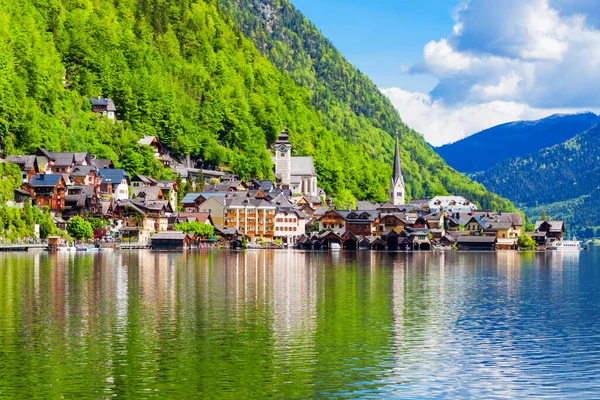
199, 184
80, 229
543, 217
199, 229
527, 242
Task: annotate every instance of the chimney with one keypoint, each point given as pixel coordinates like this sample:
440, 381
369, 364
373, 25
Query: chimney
472, 212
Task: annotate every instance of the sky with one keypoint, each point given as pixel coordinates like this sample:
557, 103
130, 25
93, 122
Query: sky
455, 67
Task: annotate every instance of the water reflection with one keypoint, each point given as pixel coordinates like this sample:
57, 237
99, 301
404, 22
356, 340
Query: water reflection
296, 325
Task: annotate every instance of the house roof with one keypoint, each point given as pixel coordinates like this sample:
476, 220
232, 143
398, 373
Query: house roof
555, 226
476, 239
45, 180
498, 226
147, 140
82, 170
170, 235
26, 163
101, 163
145, 179
147, 192
112, 175
107, 102
201, 217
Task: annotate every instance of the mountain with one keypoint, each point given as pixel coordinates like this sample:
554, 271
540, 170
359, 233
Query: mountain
562, 180
482, 150
348, 102
184, 70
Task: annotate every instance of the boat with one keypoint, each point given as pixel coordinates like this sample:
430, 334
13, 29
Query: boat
566, 245
335, 246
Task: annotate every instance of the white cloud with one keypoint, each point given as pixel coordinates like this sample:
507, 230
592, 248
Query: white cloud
506, 60
441, 123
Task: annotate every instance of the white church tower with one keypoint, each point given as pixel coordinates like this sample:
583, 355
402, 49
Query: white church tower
283, 158
397, 182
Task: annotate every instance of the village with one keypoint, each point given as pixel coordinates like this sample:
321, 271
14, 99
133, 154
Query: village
293, 211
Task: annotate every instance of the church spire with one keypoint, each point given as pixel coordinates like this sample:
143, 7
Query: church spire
397, 174
397, 182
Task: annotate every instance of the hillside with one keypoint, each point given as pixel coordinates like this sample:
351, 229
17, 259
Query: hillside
513, 139
348, 102
181, 70
562, 179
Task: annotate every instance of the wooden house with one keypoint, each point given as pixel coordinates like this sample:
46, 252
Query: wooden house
47, 190
172, 240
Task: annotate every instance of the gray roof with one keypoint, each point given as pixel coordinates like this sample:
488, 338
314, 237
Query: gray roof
145, 179
303, 166
496, 226
555, 226
101, 162
366, 205
476, 239
170, 235
147, 192
108, 103
25, 162
147, 140
82, 170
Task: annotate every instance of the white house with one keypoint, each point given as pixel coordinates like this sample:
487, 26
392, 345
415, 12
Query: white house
451, 204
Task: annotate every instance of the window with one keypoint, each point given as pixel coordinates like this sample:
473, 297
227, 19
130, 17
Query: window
341, 226
281, 154
398, 193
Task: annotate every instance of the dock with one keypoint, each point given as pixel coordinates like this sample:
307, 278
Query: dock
22, 246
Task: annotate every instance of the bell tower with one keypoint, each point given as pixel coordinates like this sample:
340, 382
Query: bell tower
283, 157
397, 182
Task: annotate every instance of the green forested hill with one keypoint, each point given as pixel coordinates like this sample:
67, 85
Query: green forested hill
180, 69
561, 180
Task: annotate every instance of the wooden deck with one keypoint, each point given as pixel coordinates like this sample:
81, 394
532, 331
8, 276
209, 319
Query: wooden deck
22, 246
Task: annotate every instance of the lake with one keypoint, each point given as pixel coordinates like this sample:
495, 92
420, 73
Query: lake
289, 324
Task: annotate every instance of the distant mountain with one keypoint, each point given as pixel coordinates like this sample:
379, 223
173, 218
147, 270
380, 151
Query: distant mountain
562, 180
483, 150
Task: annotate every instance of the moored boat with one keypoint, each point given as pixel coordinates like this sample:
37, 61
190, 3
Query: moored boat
566, 245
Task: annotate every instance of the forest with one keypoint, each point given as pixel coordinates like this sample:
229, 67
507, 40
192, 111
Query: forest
181, 70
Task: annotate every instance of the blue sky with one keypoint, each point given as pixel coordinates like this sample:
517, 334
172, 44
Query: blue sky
455, 67
378, 36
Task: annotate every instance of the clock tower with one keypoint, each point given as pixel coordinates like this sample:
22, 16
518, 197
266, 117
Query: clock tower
283, 158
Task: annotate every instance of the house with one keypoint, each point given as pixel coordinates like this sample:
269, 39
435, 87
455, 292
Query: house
420, 204
476, 242
153, 142
392, 221
332, 220
83, 175
539, 237
27, 164
215, 206
80, 200
554, 230
142, 180
141, 218
475, 225
289, 225
47, 190
178, 218
100, 163
435, 220
114, 183
361, 223
172, 240
507, 243
104, 106
501, 230
169, 188
253, 217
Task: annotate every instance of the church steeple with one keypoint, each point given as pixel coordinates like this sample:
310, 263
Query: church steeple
397, 182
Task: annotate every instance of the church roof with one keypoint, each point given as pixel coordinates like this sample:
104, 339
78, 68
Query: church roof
303, 166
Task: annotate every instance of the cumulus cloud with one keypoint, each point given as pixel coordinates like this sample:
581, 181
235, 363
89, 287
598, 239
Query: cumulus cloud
507, 60
441, 123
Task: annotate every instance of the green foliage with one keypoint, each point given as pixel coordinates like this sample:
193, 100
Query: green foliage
96, 222
180, 70
526, 242
80, 229
10, 175
200, 229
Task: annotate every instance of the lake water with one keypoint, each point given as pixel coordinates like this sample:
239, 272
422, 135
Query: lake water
285, 324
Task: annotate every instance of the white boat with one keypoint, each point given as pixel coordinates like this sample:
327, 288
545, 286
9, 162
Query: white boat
566, 245
335, 246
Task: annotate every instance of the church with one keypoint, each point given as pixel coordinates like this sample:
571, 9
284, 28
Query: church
295, 173
397, 188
